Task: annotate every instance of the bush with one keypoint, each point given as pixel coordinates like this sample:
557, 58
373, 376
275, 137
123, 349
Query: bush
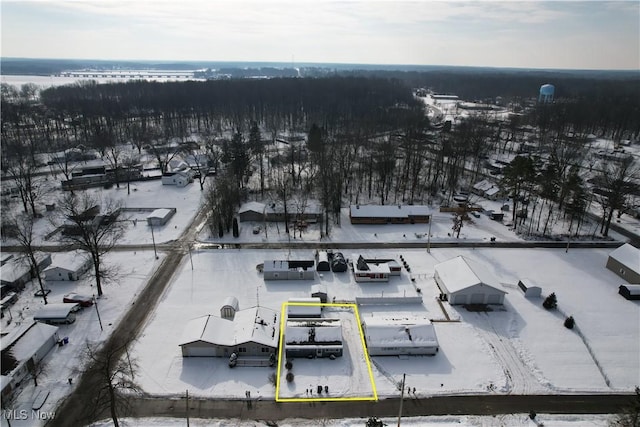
288, 365
569, 322
272, 379
550, 302
289, 377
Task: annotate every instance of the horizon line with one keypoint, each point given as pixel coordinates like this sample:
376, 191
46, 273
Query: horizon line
320, 64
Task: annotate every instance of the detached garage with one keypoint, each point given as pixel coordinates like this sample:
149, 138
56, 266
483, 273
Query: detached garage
466, 282
625, 262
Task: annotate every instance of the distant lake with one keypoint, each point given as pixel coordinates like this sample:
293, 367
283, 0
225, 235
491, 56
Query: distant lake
49, 81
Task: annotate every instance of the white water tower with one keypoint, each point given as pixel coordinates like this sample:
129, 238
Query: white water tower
546, 93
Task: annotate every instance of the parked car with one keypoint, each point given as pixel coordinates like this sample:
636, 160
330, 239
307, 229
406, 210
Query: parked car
83, 300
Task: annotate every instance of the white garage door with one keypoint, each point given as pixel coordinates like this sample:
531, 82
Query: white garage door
494, 299
201, 351
460, 299
477, 298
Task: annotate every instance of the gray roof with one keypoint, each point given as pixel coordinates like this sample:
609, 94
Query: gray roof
388, 211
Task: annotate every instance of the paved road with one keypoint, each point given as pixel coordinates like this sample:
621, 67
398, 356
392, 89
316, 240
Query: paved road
440, 405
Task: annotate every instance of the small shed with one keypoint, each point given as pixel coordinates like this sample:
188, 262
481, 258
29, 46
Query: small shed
319, 291
323, 261
529, 288
160, 216
630, 292
229, 308
304, 308
625, 262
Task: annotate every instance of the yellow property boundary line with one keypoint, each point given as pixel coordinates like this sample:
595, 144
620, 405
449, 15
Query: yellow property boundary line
283, 317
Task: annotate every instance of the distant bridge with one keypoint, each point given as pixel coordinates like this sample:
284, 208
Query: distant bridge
128, 74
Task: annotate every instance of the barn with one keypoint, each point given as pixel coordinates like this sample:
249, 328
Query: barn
625, 262
313, 338
400, 336
251, 332
67, 266
466, 282
630, 292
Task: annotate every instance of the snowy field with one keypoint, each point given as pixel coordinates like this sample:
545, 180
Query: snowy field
518, 348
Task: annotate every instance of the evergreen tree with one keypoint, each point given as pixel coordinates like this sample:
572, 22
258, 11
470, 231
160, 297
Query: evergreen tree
550, 302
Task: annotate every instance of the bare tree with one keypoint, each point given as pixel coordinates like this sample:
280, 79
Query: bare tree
112, 372
23, 232
617, 181
86, 230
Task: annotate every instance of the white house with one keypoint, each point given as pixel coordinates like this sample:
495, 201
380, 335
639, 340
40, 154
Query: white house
29, 344
67, 266
313, 338
251, 332
464, 281
16, 272
400, 335
179, 178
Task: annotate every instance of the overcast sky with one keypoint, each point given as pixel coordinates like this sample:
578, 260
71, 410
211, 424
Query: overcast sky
556, 34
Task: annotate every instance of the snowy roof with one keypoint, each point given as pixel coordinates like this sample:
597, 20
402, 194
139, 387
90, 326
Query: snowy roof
388, 211
159, 213
326, 330
362, 265
257, 324
252, 207
304, 307
71, 261
628, 256
483, 185
284, 265
58, 310
399, 332
31, 340
460, 273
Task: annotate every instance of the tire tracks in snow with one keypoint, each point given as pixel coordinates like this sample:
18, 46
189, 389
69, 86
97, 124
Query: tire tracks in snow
519, 378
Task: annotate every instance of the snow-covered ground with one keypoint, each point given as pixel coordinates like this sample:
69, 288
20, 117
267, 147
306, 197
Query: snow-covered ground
519, 348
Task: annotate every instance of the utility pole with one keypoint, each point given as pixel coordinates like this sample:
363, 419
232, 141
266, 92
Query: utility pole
95, 302
187, 407
401, 398
153, 239
429, 235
